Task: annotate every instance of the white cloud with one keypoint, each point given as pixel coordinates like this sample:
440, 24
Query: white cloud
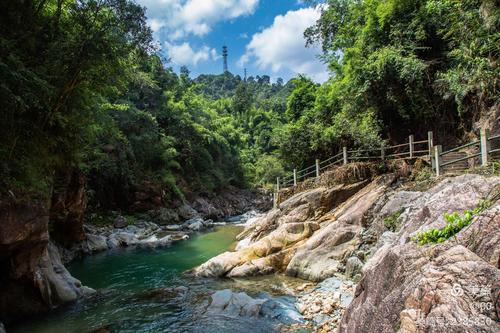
183, 17
244, 59
184, 54
281, 46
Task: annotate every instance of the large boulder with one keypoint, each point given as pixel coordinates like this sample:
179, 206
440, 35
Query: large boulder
120, 222
270, 243
33, 279
448, 287
230, 304
96, 243
340, 235
234, 304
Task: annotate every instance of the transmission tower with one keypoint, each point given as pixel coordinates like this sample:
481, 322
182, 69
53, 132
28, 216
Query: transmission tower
224, 55
245, 77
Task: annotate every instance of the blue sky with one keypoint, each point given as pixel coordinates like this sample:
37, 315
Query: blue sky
265, 36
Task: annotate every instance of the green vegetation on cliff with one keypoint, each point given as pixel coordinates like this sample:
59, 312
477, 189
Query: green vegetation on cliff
82, 88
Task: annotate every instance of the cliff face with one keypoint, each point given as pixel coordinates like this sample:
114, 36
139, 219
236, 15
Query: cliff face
32, 278
68, 207
453, 286
402, 286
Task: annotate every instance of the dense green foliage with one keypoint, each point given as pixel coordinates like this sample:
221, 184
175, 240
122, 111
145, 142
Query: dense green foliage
399, 67
82, 88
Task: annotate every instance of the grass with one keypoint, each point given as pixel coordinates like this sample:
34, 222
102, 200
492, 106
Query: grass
391, 222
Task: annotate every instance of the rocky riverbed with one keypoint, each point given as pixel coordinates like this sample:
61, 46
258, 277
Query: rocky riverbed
365, 231
149, 234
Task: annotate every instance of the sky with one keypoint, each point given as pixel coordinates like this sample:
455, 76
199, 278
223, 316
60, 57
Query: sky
264, 36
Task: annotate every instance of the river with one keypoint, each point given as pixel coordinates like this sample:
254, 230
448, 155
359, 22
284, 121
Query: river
136, 291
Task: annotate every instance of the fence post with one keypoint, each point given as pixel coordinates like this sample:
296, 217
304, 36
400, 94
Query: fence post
411, 140
485, 147
437, 158
382, 153
294, 177
344, 153
430, 142
317, 168
277, 184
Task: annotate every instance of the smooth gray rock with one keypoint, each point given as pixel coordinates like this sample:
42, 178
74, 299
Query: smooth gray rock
2, 328
234, 304
173, 227
353, 266
55, 282
96, 243
121, 239
195, 224
120, 222
281, 308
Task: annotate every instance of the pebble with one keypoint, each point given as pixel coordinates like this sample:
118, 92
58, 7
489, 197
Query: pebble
323, 305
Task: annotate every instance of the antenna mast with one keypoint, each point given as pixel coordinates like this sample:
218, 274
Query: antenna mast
245, 71
224, 55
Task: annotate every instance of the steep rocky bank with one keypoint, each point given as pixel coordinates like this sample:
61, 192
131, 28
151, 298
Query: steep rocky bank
364, 230
32, 279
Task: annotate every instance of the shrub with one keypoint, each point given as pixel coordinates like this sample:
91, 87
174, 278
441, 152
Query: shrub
454, 223
391, 222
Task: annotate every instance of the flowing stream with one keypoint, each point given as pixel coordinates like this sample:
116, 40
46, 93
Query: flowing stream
146, 290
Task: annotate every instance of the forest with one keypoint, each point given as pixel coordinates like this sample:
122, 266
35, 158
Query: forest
84, 90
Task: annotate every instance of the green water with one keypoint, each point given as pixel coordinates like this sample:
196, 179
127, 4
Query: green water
133, 292
137, 269
127, 281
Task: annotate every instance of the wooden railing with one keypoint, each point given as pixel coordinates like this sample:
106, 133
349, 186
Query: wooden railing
411, 149
483, 146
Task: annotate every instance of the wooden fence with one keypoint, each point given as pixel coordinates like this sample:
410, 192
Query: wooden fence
484, 147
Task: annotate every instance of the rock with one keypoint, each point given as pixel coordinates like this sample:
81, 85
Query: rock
301, 308
122, 239
56, 284
433, 288
243, 243
96, 243
166, 216
303, 286
154, 241
33, 279
261, 257
195, 224
2, 328
187, 212
148, 196
227, 303
282, 309
353, 266
340, 235
281, 240
321, 319
173, 227
67, 207
120, 222
234, 304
